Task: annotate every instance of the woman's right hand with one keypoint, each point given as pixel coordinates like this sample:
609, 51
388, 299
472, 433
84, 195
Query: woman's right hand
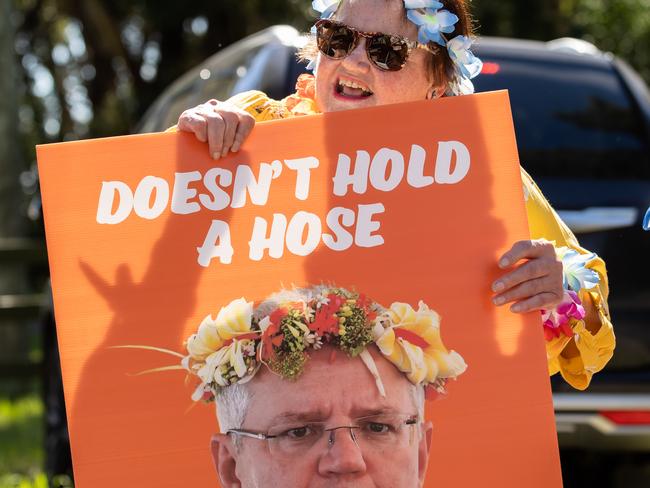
223, 126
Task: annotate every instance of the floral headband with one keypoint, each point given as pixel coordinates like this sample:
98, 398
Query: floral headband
433, 24
232, 347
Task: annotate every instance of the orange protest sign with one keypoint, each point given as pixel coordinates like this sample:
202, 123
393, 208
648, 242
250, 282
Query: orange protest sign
147, 236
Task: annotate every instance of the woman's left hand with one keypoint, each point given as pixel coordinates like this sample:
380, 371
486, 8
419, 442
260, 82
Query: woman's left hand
536, 283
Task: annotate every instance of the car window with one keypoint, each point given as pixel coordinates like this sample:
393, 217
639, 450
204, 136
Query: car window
571, 119
225, 75
214, 79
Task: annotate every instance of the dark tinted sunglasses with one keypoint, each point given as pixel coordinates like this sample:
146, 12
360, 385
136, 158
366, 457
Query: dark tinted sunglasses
388, 52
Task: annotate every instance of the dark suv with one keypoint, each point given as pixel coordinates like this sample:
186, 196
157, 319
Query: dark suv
583, 128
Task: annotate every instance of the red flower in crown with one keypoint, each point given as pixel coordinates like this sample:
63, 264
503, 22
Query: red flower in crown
335, 302
325, 321
272, 336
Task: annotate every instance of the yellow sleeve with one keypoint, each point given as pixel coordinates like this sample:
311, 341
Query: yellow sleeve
256, 103
259, 105
575, 358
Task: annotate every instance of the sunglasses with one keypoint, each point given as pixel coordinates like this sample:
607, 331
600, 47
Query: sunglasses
386, 51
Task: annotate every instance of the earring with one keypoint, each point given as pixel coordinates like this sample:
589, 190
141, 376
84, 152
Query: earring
435, 92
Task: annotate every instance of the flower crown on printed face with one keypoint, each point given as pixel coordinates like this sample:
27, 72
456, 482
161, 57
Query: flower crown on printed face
433, 23
233, 346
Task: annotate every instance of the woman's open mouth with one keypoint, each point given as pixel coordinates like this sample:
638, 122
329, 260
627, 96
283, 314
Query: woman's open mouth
352, 90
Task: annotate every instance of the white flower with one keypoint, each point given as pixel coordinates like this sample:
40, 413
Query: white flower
468, 64
312, 340
576, 274
307, 311
264, 323
211, 371
232, 320
200, 391
326, 8
205, 341
321, 300
413, 344
225, 365
235, 318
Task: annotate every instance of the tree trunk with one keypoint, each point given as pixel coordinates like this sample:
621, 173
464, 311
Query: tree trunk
10, 193
13, 337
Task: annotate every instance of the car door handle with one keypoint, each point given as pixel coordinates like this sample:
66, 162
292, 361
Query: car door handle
595, 219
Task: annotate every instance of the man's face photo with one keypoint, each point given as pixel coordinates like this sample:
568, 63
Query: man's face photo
329, 428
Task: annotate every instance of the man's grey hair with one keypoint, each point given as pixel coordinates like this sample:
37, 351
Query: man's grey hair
232, 404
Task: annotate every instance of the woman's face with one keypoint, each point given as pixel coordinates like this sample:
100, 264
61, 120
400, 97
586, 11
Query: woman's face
338, 81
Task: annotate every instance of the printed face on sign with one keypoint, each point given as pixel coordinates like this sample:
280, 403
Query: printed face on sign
331, 427
306, 363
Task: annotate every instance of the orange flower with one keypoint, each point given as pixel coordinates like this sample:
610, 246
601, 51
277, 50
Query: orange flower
302, 102
306, 86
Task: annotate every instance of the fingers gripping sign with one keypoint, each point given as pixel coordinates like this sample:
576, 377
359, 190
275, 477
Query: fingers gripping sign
534, 281
223, 126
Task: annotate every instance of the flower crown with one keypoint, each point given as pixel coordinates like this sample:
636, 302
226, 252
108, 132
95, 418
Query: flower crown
433, 24
280, 332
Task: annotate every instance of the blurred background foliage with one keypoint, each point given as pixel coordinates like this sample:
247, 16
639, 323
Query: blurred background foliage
91, 68
73, 69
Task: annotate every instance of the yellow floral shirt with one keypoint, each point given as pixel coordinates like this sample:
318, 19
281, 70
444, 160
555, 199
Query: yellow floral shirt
576, 358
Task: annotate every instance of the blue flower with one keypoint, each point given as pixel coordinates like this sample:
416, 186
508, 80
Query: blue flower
433, 4
576, 274
468, 64
326, 8
646, 221
431, 23
312, 65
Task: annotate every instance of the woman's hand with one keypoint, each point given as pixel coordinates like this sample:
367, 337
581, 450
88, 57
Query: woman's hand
223, 126
535, 284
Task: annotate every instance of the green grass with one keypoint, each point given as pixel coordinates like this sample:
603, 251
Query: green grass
21, 444
37, 481
19, 481
21, 435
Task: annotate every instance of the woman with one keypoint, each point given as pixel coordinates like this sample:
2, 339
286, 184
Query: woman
357, 65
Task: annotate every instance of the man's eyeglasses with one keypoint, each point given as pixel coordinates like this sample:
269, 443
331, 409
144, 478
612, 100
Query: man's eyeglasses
386, 51
372, 434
